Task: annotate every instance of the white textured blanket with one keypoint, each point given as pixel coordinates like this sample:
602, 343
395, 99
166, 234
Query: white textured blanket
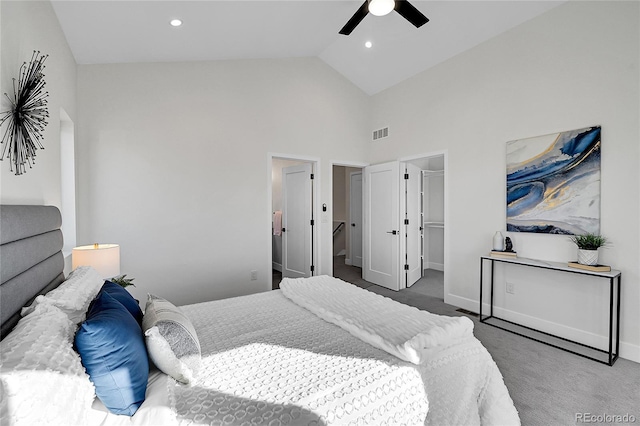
401, 330
268, 361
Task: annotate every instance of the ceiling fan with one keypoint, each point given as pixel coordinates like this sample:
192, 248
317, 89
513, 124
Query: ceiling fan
383, 7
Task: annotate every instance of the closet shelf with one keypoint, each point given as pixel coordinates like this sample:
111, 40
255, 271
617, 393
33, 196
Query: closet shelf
434, 224
428, 173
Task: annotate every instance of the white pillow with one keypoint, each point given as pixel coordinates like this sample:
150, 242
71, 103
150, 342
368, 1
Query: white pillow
172, 342
74, 295
42, 378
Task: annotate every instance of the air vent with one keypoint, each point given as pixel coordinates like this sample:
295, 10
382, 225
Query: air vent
467, 312
379, 134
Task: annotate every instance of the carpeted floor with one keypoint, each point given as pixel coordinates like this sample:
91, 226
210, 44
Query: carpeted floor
548, 386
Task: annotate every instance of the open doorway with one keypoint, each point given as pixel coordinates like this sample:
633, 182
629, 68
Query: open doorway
433, 181
347, 223
293, 233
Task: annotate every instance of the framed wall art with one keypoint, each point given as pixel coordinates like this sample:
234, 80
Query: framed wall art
553, 183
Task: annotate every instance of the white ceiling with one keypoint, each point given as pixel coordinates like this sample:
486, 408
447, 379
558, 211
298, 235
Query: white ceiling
118, 31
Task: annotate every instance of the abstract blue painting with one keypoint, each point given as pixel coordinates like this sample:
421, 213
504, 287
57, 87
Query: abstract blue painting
553, 183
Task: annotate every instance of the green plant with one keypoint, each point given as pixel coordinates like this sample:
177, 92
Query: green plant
589, 241
123, 281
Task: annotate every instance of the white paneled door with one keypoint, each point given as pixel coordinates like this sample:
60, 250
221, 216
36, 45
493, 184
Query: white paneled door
355, 219
296, 221
381, 185
411, 244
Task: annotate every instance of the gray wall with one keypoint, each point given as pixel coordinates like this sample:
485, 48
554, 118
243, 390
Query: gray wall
174, 164
572, 67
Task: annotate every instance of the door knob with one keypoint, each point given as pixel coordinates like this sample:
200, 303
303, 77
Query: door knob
353, 224
394, 232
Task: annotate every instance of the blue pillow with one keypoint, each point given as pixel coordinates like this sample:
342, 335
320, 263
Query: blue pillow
123, 296
111, 346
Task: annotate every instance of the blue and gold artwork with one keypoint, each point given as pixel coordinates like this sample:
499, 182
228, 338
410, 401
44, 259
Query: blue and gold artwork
553, 183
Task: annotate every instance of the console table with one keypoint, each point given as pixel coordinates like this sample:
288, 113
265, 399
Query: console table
611, 276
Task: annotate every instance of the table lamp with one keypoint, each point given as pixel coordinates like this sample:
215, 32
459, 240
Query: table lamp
104, 258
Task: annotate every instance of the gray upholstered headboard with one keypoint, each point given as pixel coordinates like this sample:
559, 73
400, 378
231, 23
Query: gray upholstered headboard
31, 260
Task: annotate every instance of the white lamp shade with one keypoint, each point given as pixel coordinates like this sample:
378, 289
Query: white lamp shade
381, 7
104, 258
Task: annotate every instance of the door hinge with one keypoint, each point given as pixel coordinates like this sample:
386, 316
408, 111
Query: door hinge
311, 176
406, 267
406, 176
312, 222
312, 268
284, 230
406, 221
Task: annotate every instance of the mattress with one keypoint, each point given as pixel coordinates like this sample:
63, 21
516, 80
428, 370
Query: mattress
267, 360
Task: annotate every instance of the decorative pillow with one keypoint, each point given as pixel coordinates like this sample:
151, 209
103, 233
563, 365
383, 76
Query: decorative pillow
172, 342
74, 295
112, 349
42, 379
123, 296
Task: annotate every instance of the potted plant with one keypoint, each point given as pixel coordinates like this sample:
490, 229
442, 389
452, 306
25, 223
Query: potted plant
123, 281
588, 245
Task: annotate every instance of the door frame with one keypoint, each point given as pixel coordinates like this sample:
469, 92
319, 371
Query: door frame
447, 222
344, 163
315, 197
351, 256
296, 213
384, 278
404, 184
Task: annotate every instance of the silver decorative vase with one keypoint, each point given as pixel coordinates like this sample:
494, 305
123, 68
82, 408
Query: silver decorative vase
587, 257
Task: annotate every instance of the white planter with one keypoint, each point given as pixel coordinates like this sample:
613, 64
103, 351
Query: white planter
588, 257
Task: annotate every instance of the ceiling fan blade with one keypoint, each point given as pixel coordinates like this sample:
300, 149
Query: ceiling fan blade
355, 19
410, 13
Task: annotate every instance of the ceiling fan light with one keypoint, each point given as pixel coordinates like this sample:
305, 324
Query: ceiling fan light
381, 7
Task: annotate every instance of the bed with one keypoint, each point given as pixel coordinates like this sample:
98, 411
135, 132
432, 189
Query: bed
319, 351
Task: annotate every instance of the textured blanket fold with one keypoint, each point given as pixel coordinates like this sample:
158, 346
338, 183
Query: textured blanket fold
401, 330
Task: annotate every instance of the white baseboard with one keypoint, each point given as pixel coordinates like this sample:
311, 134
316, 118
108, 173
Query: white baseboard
461, 302
347, 261
436, 266
627, 350
276, 266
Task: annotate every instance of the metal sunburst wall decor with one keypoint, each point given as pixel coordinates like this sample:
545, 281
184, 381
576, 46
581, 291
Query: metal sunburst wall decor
27, 117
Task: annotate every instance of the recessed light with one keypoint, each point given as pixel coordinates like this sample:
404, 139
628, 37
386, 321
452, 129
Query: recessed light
368, 44
175, 22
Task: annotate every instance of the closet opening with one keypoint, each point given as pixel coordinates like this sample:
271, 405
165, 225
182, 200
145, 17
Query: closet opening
346, 226
433, 223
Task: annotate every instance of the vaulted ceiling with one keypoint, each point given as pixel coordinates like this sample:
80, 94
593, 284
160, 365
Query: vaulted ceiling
121, 31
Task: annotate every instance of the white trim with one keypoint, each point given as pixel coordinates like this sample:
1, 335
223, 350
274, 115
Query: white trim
436, 266
276, 266
440, 153
315, 169
351, 175
293, 157
448, 297
343, 163
627, 350
68, 204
